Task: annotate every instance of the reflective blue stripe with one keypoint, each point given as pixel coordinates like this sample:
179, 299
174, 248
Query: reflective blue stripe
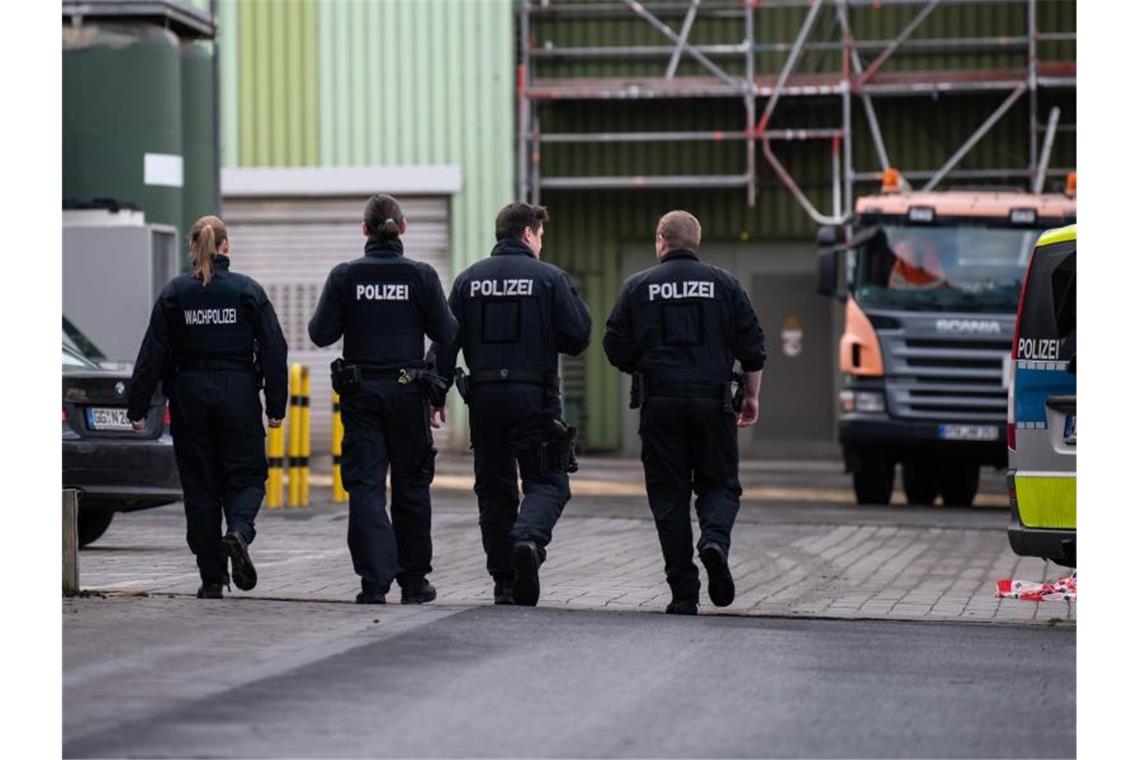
1034, 386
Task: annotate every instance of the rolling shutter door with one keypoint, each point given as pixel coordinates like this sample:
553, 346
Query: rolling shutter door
289, 246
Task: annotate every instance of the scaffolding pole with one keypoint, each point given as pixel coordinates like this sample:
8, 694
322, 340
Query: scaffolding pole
974, 138
1031, 59
523, 99
656, 23
686, 26
856, 65
1046, 149
789, 65
750, 100
907, 31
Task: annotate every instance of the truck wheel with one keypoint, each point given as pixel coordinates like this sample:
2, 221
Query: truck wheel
93, 523
920, 481
874, 477
958, 482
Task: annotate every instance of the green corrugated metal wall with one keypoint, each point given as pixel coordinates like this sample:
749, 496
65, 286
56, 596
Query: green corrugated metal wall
308, 83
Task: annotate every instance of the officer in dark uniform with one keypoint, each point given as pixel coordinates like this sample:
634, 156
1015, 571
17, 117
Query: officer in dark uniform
213, 338
678, 327
384, 303
516, 315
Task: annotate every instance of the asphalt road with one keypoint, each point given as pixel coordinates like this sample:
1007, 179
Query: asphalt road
254, 678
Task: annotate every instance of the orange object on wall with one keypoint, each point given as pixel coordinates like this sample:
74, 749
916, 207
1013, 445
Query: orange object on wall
859, 338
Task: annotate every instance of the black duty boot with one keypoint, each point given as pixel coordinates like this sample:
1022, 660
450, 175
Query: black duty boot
524, 558
211, 589
368, 597
504, 592
721, 588
417, 591
244, 573
682, 607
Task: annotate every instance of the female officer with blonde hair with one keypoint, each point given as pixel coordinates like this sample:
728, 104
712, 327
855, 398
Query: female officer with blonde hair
213, 337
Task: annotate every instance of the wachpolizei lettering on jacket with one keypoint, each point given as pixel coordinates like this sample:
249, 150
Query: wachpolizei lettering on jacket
686, 289
210, 316
506, 287
383, 292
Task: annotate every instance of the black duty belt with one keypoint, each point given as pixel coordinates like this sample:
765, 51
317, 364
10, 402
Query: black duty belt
548, 379
377, 373
239, 365
685, 390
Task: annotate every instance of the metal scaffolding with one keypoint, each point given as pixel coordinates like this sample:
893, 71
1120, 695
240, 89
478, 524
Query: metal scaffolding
856, 79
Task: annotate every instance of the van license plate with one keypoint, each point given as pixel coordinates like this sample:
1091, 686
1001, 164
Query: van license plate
1070, 433
107, 418
968, 432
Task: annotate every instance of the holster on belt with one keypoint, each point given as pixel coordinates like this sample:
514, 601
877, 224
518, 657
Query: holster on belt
346, 378
551, 438
637, 390
463, 384
739, 388
431, 385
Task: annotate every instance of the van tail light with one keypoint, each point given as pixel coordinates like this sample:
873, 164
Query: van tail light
166, 416
1010, 414
65, 415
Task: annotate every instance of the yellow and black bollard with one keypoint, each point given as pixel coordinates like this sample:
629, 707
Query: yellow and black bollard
298, 436
306, 437
275, 453
339, 495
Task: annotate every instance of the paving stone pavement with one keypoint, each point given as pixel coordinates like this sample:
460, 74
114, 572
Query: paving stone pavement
601, 558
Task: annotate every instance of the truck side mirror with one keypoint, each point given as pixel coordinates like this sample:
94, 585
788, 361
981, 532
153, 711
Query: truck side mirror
828, 236
828, 269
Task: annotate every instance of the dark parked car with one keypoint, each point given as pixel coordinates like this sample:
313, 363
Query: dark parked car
114, 468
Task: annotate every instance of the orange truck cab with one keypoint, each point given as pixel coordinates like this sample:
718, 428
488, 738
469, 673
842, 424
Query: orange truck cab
932, 287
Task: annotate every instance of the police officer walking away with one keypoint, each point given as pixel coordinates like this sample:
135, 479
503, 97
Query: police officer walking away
384, 303
213, 338
678, 327
516, 315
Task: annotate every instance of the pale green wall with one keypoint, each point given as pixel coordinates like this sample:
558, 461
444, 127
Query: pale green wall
398, 82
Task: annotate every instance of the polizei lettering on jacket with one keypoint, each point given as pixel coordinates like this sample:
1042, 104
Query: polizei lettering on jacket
1038, 348
685, 289
382, 291
505, 287
210, 316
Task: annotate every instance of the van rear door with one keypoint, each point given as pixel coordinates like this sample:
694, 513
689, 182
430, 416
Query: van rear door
1044, 458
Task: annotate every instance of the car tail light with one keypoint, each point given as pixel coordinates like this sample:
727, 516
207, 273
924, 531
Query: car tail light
65, 415
166, 416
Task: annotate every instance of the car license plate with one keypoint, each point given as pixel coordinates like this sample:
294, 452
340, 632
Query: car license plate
1069, 436
107, 418
968, 432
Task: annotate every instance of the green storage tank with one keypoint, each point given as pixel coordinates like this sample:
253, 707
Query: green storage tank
200, 191
122, 117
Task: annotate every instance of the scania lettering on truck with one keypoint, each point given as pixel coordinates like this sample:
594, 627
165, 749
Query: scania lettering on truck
933, 281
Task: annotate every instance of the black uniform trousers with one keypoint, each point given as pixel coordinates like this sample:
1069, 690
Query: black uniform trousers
498, 410
219, 444
387, 423
688, 445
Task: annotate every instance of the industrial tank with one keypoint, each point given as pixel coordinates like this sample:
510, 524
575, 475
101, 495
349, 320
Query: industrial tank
122, 117
200, 190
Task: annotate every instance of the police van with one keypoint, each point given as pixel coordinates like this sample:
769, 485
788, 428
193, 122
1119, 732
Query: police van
1041, 432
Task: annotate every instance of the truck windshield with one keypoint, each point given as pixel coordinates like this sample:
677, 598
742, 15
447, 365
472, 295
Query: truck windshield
949, 268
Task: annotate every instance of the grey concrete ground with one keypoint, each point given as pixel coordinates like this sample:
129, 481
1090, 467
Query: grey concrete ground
172, 677
798, 554
916, 659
